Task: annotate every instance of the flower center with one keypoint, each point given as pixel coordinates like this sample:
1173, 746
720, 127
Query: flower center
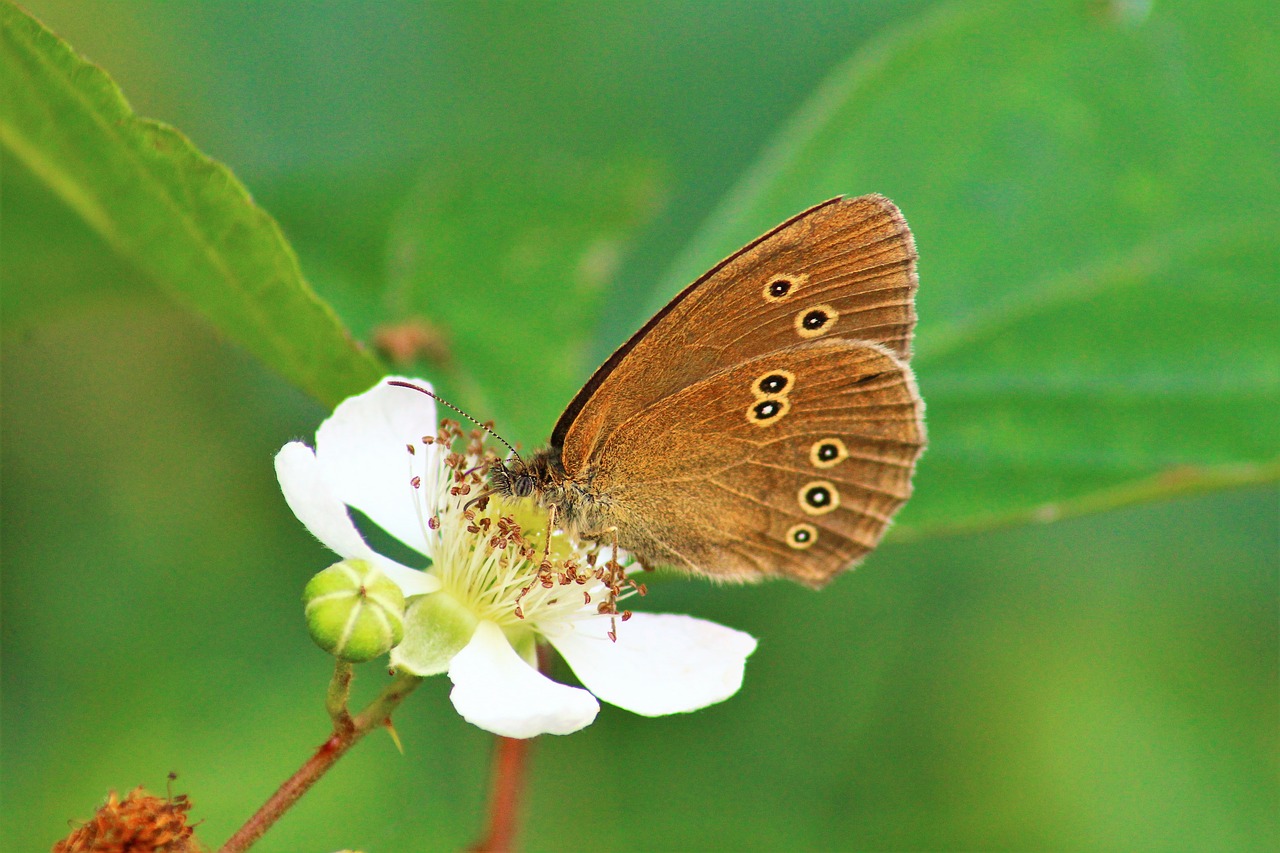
493, 556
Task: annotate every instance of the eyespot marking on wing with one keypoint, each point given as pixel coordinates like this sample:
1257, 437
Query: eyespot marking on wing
779, 287
828, 453
773, 383
815, 321
768, 411
801, 536
819, 497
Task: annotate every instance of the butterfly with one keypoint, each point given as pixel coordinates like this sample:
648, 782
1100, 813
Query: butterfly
764, 423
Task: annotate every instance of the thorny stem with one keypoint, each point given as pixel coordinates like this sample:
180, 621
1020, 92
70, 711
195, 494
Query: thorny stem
347, 730
506, 786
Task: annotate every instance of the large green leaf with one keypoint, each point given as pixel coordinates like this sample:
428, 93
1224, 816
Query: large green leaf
181, 218
1098, 221
512, 261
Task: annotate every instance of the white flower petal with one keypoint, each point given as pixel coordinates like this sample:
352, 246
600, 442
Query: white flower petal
496, 690
363, 454
661, 664
308, 494
411, 581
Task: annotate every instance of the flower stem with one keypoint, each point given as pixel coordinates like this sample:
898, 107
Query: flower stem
506, 786
347, 730
509, 759
335, 702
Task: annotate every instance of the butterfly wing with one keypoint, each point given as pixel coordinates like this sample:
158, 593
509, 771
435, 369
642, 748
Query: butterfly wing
844, 268
791, 463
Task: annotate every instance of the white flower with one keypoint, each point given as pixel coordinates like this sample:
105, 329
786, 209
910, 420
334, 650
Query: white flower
488, 599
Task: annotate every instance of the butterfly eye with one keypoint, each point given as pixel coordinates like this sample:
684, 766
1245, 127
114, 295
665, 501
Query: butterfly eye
766, 412
819, 497
801, 536
772, 384
828, 453
816, 321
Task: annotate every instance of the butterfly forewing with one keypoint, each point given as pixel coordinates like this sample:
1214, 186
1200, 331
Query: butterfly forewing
844, 268
791, 463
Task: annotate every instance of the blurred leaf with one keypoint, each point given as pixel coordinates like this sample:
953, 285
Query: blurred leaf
178, 216
1095, 202
50, 260
511, 260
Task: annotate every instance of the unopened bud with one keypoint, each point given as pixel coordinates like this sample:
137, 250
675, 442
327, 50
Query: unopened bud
354, 611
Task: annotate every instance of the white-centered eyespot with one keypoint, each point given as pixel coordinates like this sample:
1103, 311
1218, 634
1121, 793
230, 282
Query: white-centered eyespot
782, 286
816, 320
802, 535
773, 383
828, 453
768, 411
819, 497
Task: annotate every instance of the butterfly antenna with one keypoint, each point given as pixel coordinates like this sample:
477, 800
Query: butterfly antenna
445, 402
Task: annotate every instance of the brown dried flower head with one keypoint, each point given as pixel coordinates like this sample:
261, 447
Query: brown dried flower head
138, 823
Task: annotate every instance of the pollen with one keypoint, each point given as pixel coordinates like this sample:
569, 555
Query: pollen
501, 557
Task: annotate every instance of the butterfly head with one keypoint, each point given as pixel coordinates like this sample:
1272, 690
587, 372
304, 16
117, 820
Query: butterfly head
511, 480
519, 479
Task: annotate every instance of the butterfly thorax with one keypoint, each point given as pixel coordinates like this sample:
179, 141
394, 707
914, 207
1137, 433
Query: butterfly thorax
577, 506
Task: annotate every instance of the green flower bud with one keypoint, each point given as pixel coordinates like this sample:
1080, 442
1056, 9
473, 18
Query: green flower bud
354, 611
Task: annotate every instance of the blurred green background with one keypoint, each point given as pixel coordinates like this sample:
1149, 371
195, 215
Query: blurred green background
535, 180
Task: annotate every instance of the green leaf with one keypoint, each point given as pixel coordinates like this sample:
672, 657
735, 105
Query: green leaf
179, 217
1098, 221
510, 260
51, 262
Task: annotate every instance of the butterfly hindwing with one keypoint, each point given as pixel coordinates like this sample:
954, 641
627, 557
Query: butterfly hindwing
789, 463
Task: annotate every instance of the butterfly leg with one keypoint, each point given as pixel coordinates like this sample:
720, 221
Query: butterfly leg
480, 501
544, 568
616, 576
546, 544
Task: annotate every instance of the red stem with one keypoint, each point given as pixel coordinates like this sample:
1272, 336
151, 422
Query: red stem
347, 731
506, 787
509, 759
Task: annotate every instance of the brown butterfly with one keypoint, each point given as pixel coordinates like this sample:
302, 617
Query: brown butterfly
765, 422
